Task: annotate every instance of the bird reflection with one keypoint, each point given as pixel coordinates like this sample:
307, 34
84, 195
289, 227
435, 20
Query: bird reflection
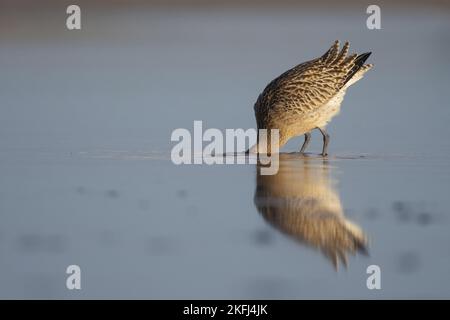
300, 201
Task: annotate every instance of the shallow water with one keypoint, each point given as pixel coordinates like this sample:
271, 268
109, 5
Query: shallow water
141, 227
86, 176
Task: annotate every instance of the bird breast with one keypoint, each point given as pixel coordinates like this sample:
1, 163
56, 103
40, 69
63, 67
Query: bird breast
330, 109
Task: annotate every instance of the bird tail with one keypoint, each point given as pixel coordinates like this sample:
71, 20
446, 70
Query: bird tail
331, 54
356, 65
353, 63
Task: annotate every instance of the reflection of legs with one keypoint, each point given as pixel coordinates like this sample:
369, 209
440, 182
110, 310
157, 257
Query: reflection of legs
326, 139
305, 144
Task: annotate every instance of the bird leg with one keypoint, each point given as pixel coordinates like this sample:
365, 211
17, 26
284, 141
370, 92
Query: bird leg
326, 139
306, 142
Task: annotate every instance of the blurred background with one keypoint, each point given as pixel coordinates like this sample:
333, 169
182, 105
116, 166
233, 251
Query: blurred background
86, 178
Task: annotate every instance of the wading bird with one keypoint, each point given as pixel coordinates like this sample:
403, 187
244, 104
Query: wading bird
308, 96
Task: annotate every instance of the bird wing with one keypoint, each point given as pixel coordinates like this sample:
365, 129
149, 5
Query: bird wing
313, 83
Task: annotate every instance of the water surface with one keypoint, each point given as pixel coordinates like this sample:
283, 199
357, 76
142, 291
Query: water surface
86, 176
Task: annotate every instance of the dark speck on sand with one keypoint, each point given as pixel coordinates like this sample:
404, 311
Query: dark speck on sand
113, 194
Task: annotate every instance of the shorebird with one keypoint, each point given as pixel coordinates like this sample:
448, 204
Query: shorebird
300, 201
308, 96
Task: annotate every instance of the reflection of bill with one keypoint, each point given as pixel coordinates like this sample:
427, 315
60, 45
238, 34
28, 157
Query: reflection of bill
301, 202
228, 148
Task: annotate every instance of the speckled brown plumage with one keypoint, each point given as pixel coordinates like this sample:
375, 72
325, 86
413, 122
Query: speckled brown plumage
309, 95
